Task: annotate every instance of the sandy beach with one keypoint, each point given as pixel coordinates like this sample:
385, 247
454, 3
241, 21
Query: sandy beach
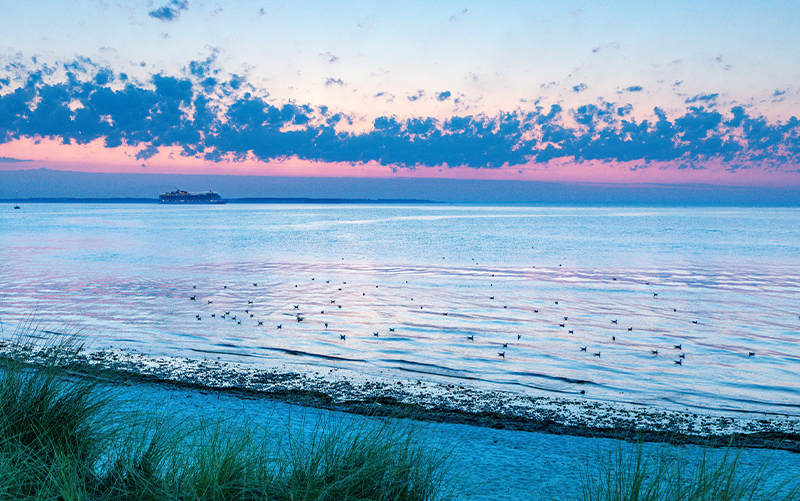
529, 448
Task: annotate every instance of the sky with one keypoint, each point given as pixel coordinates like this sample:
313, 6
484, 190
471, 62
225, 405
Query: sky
626, 92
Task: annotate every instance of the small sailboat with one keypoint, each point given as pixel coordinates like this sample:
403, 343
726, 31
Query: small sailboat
16, 205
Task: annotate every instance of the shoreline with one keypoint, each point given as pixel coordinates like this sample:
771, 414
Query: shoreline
351, 392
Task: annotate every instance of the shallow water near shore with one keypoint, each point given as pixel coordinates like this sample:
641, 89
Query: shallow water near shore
453, 283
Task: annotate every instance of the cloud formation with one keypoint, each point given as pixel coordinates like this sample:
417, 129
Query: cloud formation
208, 118
443, 96
699, 98
330, 58
9, 160
171, 11
418, 95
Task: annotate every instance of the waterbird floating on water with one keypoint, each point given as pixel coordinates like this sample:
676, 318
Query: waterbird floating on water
678, 347
583, 348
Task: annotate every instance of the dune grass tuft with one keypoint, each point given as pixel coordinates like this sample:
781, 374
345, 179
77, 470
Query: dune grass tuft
63, 436
665, 473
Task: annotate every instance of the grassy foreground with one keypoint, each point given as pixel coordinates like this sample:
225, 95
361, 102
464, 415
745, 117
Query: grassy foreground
62, 437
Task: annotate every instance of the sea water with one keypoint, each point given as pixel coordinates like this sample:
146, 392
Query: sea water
491, 297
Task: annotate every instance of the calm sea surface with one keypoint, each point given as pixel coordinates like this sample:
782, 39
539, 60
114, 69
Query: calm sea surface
623, 282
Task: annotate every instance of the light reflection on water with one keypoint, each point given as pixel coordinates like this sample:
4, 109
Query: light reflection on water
123, 275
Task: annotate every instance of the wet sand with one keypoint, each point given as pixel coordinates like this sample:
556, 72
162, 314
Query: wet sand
351, 392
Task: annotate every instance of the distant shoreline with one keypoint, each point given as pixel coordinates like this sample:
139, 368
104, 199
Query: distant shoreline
269, 201
380, 201
56, 186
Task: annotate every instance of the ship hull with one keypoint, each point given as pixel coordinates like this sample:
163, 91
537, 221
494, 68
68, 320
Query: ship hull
194, 202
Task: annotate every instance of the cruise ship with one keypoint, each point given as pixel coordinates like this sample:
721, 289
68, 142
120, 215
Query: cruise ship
184, 197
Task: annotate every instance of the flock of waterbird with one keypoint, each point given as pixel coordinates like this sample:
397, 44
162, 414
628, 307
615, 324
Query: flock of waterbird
300, 316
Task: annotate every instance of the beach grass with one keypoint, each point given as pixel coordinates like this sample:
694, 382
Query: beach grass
658, 472
64, 436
